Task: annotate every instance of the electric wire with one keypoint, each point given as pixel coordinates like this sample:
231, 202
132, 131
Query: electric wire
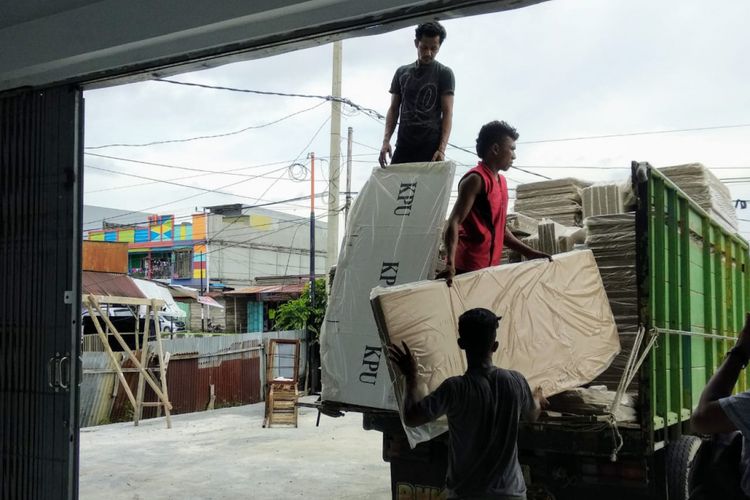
294, 162
327, 98
191, 169
201, 137
204, 189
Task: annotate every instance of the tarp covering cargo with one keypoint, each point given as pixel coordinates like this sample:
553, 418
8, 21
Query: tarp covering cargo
391, 238
557, 327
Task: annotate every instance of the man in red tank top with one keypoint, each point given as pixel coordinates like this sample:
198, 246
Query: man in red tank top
476, 232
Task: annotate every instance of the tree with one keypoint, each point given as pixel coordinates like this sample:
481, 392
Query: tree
300, 313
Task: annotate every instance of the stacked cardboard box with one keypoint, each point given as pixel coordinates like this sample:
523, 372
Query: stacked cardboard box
559, 200
706, 190
602, 199
612, 240
594, 400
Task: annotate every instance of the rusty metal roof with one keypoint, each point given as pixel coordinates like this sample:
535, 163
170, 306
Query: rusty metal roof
295, 288
118, 285
209, 301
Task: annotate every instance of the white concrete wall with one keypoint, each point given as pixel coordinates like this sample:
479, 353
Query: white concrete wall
262, 243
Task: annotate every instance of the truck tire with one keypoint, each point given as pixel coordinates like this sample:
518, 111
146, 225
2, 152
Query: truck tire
680, 455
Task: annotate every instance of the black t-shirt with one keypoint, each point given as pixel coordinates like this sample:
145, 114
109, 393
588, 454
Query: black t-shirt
421, 87
483, 410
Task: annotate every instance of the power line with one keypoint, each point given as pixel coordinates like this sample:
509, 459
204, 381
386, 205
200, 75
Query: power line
208, 172
294, 162
191, 169
201, 137
328, 98
163, 181
630, 134
512, 166
200, 194
189, 216
297, 221
601, 167
214, 190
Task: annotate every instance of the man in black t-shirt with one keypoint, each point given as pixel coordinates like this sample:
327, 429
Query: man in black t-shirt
422, 96
484, 406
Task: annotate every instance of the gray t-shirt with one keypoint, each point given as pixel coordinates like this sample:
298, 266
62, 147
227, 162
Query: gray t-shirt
421, 87
483, 410
737, 408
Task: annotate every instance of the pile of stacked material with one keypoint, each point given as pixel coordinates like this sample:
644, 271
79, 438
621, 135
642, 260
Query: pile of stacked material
602, 199
554, 238
520, 225
559, 200
546, 236
594, 400
612, 240
706, 190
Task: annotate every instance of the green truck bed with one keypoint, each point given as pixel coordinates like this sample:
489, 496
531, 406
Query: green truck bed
693, 289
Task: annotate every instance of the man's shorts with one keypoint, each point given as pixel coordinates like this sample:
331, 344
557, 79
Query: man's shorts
413, 153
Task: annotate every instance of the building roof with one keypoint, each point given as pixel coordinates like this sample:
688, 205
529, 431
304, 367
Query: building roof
94, 217
112, 284
295, 288
209, 301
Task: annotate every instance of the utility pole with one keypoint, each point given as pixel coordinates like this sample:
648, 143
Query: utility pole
348, 203
334, 164
312, 229
204, 271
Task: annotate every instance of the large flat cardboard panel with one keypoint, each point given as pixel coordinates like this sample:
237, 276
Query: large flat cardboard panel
557, 329
391, 238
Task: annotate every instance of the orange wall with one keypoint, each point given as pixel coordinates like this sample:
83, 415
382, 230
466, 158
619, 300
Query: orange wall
199, 226
105, 256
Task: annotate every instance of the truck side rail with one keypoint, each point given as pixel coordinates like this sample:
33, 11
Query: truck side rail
693, 278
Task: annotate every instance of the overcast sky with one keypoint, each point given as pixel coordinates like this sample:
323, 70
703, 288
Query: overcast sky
560, 69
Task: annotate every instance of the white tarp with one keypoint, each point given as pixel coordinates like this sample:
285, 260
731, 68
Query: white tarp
557, 327
154, 291
391, 238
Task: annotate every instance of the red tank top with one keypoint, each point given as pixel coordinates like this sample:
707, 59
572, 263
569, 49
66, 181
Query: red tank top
480, 236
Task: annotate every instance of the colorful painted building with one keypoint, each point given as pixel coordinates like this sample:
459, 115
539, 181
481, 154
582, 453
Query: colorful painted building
162, 248
228, 245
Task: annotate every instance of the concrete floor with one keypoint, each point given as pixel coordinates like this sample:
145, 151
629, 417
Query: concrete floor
226, 454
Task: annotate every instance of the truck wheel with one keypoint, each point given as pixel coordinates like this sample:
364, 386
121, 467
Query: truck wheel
680, 456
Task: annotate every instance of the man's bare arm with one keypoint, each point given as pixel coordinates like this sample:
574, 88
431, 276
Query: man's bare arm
540, 402
414, 414
391, 118
709, 417
447, 106
468, 190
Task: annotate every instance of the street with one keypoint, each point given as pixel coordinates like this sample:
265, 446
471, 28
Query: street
226, 454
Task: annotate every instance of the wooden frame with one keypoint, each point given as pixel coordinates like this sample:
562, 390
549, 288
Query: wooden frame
153, 306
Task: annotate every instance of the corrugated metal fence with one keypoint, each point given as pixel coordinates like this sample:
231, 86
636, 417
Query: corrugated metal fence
233, 365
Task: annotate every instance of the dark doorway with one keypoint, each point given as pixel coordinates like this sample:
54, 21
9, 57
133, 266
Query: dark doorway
40, 234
